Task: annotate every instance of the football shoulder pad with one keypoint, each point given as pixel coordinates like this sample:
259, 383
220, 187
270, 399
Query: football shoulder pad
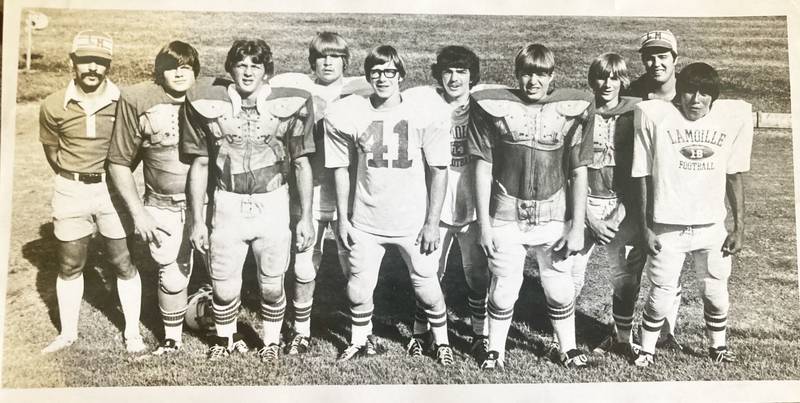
357, 85
343, 114
284, 102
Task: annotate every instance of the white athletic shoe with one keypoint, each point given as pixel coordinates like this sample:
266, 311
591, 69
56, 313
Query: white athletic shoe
60, 342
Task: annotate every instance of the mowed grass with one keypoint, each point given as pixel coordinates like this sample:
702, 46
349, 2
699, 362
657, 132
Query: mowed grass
763, 319
751, 53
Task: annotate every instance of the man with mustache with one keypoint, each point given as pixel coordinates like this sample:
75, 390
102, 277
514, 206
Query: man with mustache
75, 127
147, 124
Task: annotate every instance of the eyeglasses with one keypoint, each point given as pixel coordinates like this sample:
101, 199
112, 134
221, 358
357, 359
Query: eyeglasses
388, 73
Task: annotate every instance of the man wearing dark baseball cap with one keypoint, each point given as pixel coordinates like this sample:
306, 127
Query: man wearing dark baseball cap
659, 51
75, 129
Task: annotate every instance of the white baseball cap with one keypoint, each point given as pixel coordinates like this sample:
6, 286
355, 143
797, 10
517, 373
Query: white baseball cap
659, 39
92, 43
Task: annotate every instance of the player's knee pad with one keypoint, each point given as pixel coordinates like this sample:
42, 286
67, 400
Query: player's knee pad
359, 295
305, 271
271, 288
171, 279
504, 292
226, 292
715, 298
660, 301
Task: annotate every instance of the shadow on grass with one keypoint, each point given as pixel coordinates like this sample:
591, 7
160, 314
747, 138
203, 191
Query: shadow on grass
394, 306
99, 279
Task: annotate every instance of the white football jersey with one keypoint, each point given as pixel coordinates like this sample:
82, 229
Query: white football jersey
688, 160
391, 146
459, 200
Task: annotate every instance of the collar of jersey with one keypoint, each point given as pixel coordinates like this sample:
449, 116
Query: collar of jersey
110, 94
261, 99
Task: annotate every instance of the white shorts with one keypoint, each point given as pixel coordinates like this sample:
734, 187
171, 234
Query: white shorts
79, 209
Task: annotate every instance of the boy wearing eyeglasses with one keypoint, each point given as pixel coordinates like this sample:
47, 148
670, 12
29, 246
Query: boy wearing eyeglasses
393, 140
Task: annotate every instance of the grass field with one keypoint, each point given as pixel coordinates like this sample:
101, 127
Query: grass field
764, 285
751, 53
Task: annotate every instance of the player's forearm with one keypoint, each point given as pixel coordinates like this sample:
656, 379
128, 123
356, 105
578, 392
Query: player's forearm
305, 185
641, 191
483, 190
341, 177
123, 182
198, 183
51, 153
734, 189
438, 187
578, 193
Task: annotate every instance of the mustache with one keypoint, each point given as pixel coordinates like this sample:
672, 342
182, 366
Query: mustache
91, 74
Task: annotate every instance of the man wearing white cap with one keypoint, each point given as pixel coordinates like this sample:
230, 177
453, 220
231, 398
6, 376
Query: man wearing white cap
659, 51
75, 130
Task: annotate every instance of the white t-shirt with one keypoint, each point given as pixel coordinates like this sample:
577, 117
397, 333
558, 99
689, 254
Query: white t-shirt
459, 199
391, 195
689, 160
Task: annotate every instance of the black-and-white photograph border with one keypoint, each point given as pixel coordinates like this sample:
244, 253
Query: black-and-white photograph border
116, 335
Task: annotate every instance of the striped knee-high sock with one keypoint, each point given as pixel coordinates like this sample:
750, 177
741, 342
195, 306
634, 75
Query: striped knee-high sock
623, 319
302, 317
225, 318
360, 325
651, 328
563, 320
499, 323
173, 323
477, 311
716, 327
272, 320
438, 321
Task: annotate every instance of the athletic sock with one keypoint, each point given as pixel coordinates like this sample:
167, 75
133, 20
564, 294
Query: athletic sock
623, 319
499, 323
438, 322
651, 329
477, 310
130, 297
563, 320
272, 320
716, 325
225, 318
173, 324
360, 326
69, 294
302, 317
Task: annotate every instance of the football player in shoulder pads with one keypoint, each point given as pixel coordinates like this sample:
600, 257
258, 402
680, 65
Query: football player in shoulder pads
528, 145
247, 138
393, 204
147, 123
456, 71
690, 155
610, 209
328, 56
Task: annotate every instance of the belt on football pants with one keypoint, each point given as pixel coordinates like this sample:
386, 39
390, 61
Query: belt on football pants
83, 177
533, 212
173, 201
